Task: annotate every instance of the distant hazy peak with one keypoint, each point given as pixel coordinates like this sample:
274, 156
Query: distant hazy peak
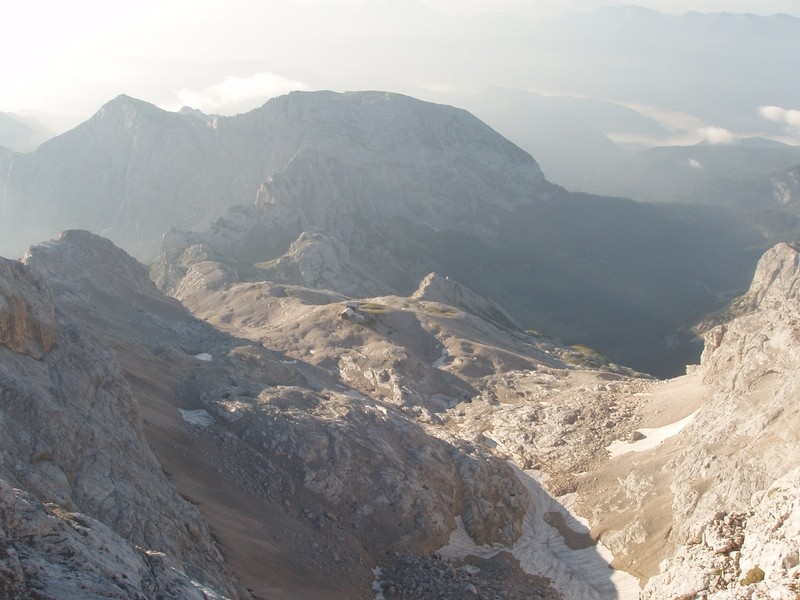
129, 110
125, 102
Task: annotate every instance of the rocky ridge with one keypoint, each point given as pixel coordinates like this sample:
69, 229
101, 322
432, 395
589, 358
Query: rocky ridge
72, 439
436, 288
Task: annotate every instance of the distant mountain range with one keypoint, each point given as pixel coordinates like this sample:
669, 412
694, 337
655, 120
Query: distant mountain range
403, 188
21, 133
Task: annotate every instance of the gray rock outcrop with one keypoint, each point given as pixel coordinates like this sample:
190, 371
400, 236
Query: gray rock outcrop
49, 553
736, 479
27, 314
753, 554
319, 261
71, 437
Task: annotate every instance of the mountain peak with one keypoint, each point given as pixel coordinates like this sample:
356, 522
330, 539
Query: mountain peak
125, 101
129, 108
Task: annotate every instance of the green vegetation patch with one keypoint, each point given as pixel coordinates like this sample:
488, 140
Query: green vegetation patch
440, 309
373, 308
267, 264
754, 575
584, 356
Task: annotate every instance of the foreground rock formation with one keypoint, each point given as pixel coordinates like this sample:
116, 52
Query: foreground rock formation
737, 481
748, 554
406, 446
72, 439
247, 431
715, 488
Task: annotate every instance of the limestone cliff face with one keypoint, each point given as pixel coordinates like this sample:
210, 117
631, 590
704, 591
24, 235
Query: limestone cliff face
765, 339
749, 554
747, 436
27, 314
70, 436
50, 553
741, 452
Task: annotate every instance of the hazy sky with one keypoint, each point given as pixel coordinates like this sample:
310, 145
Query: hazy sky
230, 56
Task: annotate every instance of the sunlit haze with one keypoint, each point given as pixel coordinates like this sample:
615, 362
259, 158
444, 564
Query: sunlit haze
63, 61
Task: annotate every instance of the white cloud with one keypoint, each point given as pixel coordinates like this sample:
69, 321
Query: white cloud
695, 164
780, 115
239, 94
716, 135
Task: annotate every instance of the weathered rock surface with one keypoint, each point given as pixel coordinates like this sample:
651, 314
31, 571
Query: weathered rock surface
301, 452
754, 554
724, 435
71, 436
409, 576
27, 314
49, 553
746, 437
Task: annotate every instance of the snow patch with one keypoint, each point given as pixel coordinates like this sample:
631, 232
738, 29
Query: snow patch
653, 437
541, 550
204, 356
197, 417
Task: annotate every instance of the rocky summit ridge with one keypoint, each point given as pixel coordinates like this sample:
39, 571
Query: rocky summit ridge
134, 170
